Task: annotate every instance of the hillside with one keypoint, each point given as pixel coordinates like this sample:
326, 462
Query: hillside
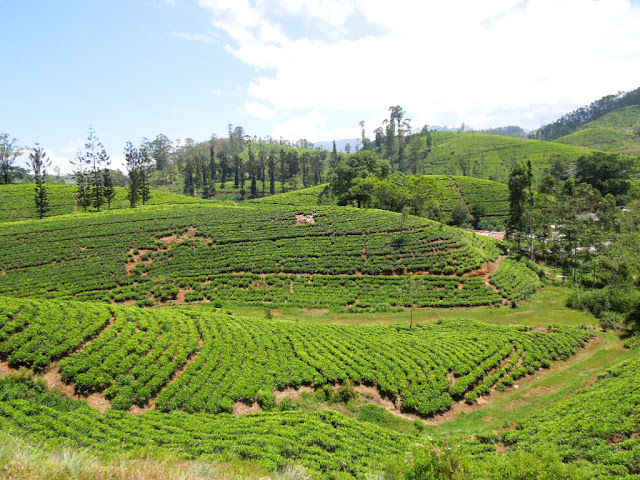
16, 201
488, 156
617, 131
450, 191
274, 255
573, 121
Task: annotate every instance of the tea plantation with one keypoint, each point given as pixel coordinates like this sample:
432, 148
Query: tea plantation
16, 201
315, 257
328, 443
247, 359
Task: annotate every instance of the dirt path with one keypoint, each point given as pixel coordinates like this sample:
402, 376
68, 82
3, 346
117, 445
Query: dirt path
486, 271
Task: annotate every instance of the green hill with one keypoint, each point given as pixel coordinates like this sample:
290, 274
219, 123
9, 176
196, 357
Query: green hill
488, 156
260, 254
617, 131
450, 191
16, 201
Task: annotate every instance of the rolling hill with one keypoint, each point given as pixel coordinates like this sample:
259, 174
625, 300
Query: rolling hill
16, 201
489, 156
617, 131
273, 255
449, 190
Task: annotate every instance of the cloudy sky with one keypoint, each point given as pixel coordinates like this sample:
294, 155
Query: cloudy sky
299, 68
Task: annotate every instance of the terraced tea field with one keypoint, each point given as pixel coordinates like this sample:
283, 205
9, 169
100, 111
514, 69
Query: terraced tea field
234, 359
328, 444
313, 257
449, 191
16, 201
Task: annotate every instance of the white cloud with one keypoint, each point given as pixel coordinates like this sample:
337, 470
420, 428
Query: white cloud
258, 110
484, 63
197, 37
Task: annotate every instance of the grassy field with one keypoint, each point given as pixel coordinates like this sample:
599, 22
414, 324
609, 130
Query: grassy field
16, 201
450, 191
548, 306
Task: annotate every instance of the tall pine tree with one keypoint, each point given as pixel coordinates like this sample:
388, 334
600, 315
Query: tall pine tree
39, 164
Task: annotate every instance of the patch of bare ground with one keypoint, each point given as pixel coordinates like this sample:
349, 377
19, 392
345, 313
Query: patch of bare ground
53, 379
182, 294
5, 369
305, 219
137, 410
137, 260
463, 407
372, 395
485, 272
240, 408
292, 393
539, 391
541, 329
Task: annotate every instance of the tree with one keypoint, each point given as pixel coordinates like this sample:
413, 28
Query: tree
81, 175
608, 172
143, 174
160, 151
460, 215
363, 164
138, 164
109, 190
519, 181
9, 151
271, 168
39, 164
132, 161
334, 155
189, 186
96, 158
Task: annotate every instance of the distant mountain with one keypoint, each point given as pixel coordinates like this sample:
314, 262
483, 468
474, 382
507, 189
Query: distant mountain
508, 131
340, 144
571, 122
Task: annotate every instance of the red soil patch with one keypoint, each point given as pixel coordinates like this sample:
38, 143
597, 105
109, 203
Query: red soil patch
53, 379
305, 219
292, 393
240, 408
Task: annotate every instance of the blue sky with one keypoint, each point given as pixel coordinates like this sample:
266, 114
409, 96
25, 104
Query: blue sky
301, 69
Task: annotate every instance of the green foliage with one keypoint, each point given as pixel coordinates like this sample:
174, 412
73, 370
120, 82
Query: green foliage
609, 173
247, 359
16, 201
327, 443
515, 279
254, 255
363, 164
431, 462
